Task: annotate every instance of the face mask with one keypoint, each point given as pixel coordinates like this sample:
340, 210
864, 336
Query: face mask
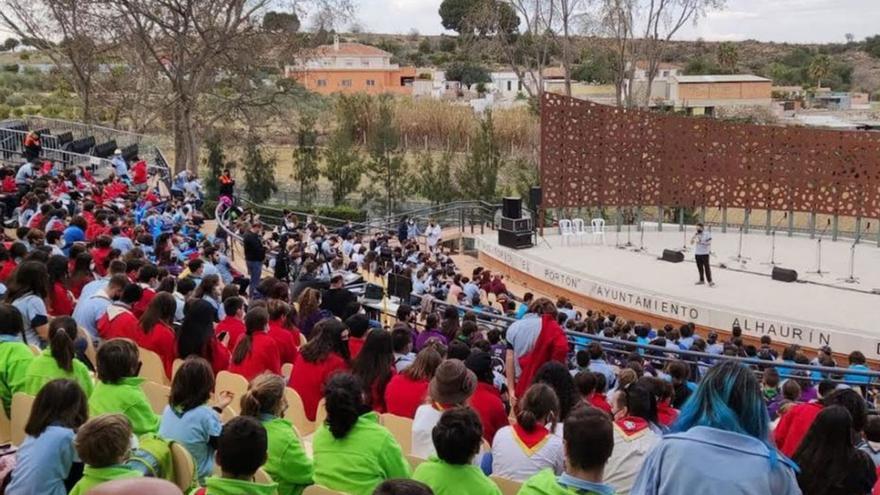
699, 231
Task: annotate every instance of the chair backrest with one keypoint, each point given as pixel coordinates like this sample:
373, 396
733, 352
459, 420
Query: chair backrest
184, 466
319, 490
21, 411
321, 414
262, 477
234, 383
157, 395
296, 412
565, 226
598, 225
176, 366
578, 225
4, 426
151, 367
286, 370
401, 429
91, 352
414, 461
508, 487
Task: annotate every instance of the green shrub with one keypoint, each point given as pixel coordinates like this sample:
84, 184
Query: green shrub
16, 100
4, 111
24, 56
16, 112
343, 213
13, 68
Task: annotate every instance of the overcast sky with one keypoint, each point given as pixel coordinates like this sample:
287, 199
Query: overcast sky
764, 20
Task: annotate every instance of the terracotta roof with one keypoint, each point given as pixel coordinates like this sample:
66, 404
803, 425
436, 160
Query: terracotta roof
721, 78
553, 73
643, 64
349, 49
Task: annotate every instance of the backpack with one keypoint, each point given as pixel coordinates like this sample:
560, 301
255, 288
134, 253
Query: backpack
152, 458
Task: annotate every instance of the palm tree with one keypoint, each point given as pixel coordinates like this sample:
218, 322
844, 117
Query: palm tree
819, 68
728, 56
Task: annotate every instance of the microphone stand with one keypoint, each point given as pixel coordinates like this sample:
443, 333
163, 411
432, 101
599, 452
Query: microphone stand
818, 270
739, 256
852, 279
628, 244
772, 261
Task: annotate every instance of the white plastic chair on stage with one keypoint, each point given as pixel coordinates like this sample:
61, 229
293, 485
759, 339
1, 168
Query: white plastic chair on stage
580, 229
566, 229
598, 225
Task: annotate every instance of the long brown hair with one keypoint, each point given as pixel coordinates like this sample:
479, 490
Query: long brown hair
192, 384
538, 403
161, 308
62, 334
264, 395
425, 364
308, 302
60, 402
254, 321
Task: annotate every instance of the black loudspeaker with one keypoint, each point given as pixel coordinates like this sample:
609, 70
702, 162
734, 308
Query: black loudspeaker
536, 196
511, 208
784, 274
672, 256
515, 240
373, 292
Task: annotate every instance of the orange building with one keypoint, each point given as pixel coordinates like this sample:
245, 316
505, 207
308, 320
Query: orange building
702, 94
351, 68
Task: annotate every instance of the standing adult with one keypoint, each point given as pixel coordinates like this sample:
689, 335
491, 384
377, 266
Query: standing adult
532, 341
254, 254
703, 246
33, 146
433, 233
120, 166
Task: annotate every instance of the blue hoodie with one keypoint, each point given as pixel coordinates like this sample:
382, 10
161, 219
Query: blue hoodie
709, 460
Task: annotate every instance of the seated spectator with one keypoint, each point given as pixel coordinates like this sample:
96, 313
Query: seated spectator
403, 487
286, 338
119, 388
635, 434
408, 390
794, 424
872, 438
353, 453
456, 438
358, 325
589, 442
431, 333
103, 444
828, 459
337, 299
529, 446
724, 424
556, 375
401, 340
486, 400
119, 321
587, 384
325, 354
15, 355
233, 324
255, 352
375, 368
196, 336
453, 384
45, 459
241, 450
58, 360
188, 419
155, 330
287, 462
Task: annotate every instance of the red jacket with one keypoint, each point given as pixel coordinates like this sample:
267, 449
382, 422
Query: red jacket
308, 380
139, 172
262, 357
487, 402
141, 306
7, 269
161, 341
598, 401
118, 322
793, 426
61, 303
666, 414
551, 345
404, 395
286, 340
355, 345
98, 257
233, 327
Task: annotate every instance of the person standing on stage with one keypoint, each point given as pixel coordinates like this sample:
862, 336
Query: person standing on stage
703, 241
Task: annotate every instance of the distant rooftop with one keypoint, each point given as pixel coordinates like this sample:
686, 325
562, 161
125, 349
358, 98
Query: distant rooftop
721, 78
350, 50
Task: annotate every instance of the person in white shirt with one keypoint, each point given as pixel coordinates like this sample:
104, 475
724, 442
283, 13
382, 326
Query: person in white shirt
433, 233
452, 385
635, 433
703, 246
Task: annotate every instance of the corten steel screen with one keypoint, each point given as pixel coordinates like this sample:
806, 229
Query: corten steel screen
597, 155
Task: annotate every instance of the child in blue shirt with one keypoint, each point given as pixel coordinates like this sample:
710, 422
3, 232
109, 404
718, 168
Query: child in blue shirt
45, 458
188, 419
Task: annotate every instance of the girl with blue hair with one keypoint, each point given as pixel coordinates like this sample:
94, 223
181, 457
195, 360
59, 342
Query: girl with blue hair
719, 444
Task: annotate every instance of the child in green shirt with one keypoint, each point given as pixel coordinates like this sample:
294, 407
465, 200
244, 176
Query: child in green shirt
103, 444
288, 464
457, 436
241, 450
119, 388
15, 355
58, 360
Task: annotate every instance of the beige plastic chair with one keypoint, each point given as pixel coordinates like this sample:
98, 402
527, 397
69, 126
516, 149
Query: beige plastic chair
262, 477
4, 426
176, 366
302, 340
286, 370
321, 414
157, 395
21, 411
234, 383
508, 487
91, 352
414, 461
320, 490
184, 467
151, 367
401, 429
296, 413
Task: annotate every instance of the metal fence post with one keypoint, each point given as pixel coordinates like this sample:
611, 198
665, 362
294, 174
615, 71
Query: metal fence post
724, 220
681, 219
659, 218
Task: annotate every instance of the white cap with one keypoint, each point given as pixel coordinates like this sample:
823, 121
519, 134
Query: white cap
117, 152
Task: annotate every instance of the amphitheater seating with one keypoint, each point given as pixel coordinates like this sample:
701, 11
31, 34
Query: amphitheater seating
151, 367
296, 413
508, 487
233, 383
401, 429
157, 395
4, 426
21, 411
320, 490
184, 467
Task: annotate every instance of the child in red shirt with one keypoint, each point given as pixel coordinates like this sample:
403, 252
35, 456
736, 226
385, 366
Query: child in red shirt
155, 330
255, 352
324, 355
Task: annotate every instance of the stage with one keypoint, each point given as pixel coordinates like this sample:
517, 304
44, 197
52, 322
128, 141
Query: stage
816, 311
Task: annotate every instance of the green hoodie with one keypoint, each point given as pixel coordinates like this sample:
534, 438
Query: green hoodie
14, 360
361, 460
288, 464
544, 483
93, 476
452, 479
125, 397
43, 369
215, 485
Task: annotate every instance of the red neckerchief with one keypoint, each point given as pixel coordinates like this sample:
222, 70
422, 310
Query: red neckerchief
530, 440
631, 426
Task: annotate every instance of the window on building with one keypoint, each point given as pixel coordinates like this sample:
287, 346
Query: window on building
345, 83
519, 85
322, 83
665, 73
509, 85
349, 63
371, 82
365, 62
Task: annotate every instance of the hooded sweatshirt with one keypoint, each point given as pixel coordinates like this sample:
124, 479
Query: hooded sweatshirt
93, 477
43, 369
227, 486
125, 397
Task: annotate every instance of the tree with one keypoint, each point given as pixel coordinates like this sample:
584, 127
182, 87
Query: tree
10, 44
478, 177
467, 74
849, 37
595, 67
434, 178
281, 22
872, 45
425, 46
728, 56
387, 167
305, 159
616, 21
571, 12
453, 13
819, 68
342, 167
259, 171
216, 163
